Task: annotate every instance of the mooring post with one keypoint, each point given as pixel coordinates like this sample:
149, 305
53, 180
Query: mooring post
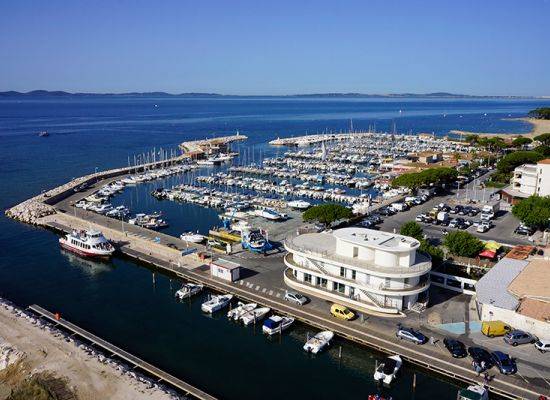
414, 381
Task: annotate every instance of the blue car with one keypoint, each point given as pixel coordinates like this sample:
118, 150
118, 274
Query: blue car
505, 364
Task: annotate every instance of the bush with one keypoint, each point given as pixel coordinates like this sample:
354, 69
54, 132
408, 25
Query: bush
413, 230
540, 113
544, 138
463, 244
429, 176
533, 211
543, 149
435, 253
327, 213
513, 160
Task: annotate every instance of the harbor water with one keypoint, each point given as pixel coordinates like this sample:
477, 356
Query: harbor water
123, 302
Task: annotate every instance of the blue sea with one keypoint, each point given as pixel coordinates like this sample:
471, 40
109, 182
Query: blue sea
119, 300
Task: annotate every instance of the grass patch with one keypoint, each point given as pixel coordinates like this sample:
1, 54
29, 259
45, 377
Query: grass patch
498, 185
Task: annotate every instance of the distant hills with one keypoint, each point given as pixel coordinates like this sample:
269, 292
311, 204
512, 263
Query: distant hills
59, 93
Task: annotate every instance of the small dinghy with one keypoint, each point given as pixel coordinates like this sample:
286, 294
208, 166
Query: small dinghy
240, 310
188, 290
387, 370
318, 342
255, 315
276, 324
216, 303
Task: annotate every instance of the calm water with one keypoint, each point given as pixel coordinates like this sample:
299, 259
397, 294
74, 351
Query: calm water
119, 301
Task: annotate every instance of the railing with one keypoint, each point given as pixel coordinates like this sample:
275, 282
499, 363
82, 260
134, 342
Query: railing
416, 269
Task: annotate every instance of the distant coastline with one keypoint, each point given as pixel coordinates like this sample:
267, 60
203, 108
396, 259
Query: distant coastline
538, 127
59, 93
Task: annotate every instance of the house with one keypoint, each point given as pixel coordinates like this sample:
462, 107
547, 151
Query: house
528, 180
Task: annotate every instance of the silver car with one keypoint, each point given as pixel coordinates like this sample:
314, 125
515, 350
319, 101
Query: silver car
516, 337
296, 298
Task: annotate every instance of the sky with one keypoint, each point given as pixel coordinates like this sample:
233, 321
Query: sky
277, 47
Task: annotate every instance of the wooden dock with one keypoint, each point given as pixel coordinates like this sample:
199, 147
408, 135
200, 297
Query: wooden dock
109, 348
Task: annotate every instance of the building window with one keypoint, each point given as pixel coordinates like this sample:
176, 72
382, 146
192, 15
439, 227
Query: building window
353, 274
367, 279
351, 292
307, 278
355, 251
387, 282
342, 272
339, 287
322, 282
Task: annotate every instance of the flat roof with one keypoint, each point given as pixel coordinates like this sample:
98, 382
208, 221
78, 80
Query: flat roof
378, 239
220, 262
533, 281
492, 288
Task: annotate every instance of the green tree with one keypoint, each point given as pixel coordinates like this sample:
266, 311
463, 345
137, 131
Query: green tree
414, 180
515, 159
534, 211
327, 213
543, 149
543, 139
413, 230
540, 113
471, 138
521, 141
463, 244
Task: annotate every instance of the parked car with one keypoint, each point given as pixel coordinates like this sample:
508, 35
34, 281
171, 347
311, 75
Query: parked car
480, 355
542, 345
456, 209
483, 227
295, 298
420, 218
516, 337
473, 211
411, 335
524, 230
505, 364
342, 312
455, 347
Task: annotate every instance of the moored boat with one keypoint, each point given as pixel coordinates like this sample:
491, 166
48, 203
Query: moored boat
276, 324
240, 310
192, 237
318, 342
473, 392
87, 243
216, 303
387, 370
255, 315
188, 290
299, 204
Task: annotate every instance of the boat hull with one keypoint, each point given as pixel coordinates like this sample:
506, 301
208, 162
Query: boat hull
84, 253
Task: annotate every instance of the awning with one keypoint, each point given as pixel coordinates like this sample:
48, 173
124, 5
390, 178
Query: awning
488, 254
492, 245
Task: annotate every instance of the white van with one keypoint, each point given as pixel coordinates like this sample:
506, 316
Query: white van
542, 345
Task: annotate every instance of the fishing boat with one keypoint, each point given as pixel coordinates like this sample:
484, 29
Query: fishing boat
216, 303
276, 324
387, 370
473, 392
188, 290
299, 204
240, 310
318, 342
87, 243
192, 237
255, 241
254, 315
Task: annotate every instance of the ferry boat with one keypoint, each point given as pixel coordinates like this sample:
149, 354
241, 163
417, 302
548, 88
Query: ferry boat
87, 243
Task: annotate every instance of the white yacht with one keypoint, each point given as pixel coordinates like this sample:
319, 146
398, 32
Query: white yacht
240, 310
87, 243
318, 342
255, 315
188, 290
269, 213
276, 324
216, 303
192, 237
299, 204
387, 370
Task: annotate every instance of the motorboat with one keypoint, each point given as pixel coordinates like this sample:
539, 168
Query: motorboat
318, 342
192, 237
473, 392
216, 303
87, 243
387, 370
276, 324
255, 315
188, 290
240, 310
378, 397
269, 213
255, 241
43, 134
299, 204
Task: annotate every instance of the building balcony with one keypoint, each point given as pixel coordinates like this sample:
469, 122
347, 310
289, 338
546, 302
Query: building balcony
381, 289
421, 267
335, 296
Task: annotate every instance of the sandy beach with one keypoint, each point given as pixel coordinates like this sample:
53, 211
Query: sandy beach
44, 351
538, 127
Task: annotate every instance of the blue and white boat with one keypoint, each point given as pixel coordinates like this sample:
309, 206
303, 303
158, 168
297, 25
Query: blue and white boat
276, 324
254, 240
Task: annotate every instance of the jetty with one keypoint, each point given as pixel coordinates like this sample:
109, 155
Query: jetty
113, 350
198, 148
309, 140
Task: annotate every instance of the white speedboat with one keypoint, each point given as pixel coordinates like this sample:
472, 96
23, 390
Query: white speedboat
255, 315
269, 213
192, 237
299, 204
473, 392
87, 243
188, 290
276, 324
216, 303
318, 342
240, 310
387, 370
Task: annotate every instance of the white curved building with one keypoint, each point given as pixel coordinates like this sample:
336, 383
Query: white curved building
361, 268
